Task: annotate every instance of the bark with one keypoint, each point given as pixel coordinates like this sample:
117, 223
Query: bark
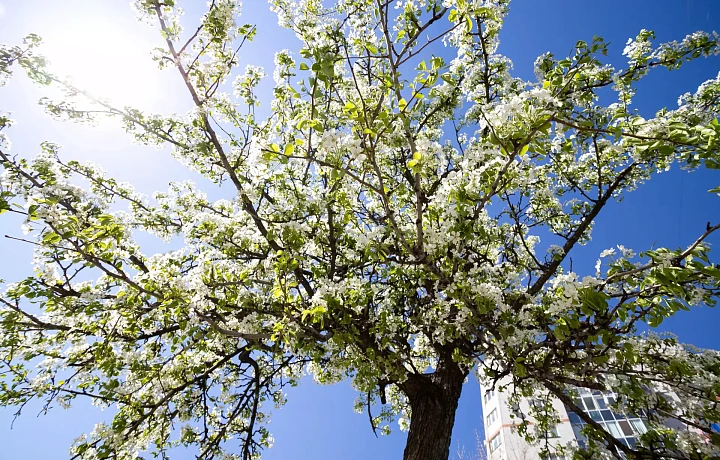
433, 401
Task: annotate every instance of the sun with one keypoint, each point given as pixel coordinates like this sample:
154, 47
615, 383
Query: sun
106, 56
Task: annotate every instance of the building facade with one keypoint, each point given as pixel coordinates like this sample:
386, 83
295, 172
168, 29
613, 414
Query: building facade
502, 442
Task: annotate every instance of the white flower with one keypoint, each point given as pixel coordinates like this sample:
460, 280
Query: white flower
590, 281
627, 253
404, 423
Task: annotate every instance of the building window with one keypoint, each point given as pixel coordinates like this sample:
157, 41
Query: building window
639, 426
589, 402
553, 457
579, 403
491, 417
614, 429
626, 427
489, 395
552, 432
495, 442
541, 405
600, 401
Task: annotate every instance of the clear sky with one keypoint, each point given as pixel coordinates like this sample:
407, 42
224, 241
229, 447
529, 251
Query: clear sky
101, 43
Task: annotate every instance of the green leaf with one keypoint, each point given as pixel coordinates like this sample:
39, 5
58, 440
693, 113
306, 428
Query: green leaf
277, 292
654, 321
602, 359
594, 300
51, 238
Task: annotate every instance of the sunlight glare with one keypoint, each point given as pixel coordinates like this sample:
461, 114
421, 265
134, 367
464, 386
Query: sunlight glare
106, 59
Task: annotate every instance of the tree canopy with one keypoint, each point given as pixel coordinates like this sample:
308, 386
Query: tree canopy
382, 224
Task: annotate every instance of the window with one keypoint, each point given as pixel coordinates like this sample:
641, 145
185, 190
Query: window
589, 403
489, 395
578, 402
495, 442
600, 401
614, 429
553, 432
639, 426
550, 433
491, 417
626, 427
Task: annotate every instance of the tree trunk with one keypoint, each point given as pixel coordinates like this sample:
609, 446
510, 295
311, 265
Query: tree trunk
433, 401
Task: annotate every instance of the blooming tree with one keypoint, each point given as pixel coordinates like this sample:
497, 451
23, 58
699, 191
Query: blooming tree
383, 226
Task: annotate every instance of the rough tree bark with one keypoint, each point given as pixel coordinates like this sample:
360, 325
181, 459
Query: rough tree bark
433, 401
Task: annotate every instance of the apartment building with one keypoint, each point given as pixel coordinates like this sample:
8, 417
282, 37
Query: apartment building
503, 443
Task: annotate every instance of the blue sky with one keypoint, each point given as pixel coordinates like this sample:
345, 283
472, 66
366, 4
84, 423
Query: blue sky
318, 422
